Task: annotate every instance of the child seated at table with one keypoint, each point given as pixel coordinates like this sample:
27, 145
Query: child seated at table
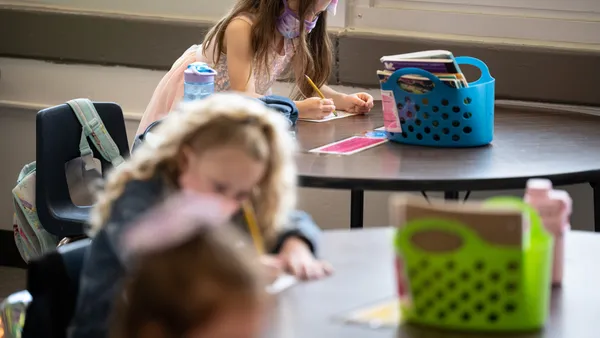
199, 279
227, 144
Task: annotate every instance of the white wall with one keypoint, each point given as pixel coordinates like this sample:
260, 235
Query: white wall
551, 21
572, 23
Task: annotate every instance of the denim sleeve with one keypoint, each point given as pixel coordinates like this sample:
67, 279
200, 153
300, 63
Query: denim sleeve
301, 225
137, 198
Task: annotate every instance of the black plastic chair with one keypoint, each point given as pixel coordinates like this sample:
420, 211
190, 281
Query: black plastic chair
53, 282
58, 134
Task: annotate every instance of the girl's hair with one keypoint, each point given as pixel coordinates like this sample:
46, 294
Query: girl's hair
219, 120
184, 287
314, 55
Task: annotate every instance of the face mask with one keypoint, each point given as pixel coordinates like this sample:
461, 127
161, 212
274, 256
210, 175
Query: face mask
288, 23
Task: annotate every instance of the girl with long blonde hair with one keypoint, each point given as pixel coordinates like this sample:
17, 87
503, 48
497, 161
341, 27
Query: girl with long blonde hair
258, 42
228, 145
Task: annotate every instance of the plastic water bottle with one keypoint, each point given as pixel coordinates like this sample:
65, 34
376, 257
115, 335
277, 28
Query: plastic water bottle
554, 207
199, 81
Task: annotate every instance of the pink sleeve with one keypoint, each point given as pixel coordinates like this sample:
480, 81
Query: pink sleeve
168, 93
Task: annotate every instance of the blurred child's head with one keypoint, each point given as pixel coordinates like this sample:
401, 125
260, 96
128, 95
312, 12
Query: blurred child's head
303, 20
226, 144
199, 282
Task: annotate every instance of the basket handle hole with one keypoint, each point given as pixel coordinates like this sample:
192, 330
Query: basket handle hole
493, 318
436, 240
471, 72
479, 307
466, 317
415, 84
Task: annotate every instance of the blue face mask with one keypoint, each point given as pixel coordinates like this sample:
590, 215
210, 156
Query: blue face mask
288, 23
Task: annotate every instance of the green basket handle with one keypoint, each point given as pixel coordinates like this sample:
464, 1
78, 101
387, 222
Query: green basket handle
470, 240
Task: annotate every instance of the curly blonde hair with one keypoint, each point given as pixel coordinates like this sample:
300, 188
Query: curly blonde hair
219, 120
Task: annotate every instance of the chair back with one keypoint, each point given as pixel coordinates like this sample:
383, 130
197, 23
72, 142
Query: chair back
58, 134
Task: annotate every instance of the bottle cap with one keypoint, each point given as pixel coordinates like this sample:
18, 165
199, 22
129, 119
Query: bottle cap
565, 198
199, 72
539, 185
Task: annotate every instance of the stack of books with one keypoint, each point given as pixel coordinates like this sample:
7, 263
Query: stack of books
440, 63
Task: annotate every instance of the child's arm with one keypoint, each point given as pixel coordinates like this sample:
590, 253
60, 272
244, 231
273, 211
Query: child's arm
296, 247
300, 226
240, 57
137, 198
358, 103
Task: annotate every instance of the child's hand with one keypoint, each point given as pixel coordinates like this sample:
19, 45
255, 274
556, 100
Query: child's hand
315, 108
359, 103
273, 267
300, 262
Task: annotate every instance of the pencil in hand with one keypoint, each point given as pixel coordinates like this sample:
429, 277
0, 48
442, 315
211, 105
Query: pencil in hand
316, 89
257, 239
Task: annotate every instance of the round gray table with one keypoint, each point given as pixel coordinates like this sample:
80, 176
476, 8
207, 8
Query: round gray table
528, 143
364, 275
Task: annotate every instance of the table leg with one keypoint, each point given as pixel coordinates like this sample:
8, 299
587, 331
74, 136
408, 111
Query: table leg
357, 200
596, 191
451, 195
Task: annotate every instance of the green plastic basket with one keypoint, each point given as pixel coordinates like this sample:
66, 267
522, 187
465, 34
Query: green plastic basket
480, 286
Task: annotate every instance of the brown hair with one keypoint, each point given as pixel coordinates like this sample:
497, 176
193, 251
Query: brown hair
184, 287
219, 120
313, 57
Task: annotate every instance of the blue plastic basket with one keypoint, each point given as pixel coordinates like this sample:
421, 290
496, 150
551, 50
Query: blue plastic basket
445, 116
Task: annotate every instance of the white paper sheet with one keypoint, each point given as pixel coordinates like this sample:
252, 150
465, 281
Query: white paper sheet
340, 115
282, 283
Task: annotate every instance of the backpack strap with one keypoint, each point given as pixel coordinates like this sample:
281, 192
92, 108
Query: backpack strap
93, 127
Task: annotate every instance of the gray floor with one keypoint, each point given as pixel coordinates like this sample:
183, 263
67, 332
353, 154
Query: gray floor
11, 280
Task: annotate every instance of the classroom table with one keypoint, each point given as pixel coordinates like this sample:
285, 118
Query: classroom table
364, 275
528, 143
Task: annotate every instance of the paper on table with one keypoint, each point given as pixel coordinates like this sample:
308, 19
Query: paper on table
281, 283
380, 128
340, 115
382, 314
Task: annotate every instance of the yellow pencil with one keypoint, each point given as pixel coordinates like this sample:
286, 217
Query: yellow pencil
312, 84
253, 227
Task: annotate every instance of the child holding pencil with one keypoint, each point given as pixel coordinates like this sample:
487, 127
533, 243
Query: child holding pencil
228, 145
258, 42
